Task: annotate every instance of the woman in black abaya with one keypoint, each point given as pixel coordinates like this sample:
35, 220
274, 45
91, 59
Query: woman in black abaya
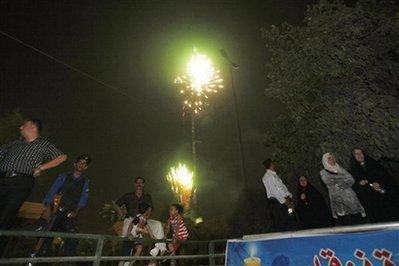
375, 188
312, 210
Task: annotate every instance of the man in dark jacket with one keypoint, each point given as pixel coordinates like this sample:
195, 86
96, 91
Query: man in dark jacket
67, 196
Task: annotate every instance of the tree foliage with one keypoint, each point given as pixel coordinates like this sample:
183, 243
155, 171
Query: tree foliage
338, 78
9, 125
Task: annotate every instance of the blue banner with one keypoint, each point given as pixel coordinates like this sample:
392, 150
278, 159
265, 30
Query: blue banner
350, 249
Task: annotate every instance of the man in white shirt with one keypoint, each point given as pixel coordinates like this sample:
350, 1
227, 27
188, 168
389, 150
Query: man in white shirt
280, 199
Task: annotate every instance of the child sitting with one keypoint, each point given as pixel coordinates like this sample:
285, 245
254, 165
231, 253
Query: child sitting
138, 227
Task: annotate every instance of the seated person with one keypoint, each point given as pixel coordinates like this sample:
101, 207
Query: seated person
137, 228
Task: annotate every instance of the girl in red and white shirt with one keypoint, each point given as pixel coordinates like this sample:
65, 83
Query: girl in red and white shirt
180, 232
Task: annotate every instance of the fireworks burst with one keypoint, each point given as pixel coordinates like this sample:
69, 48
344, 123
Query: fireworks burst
181, 181
200, 80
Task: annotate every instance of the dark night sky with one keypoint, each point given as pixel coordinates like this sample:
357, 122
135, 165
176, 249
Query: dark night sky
139, 47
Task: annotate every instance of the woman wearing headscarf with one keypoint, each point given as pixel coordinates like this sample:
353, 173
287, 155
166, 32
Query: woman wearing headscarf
312, 210
376, 189
345, 206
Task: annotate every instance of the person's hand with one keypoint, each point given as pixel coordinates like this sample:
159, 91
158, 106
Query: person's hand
376, 186
37, 172
303, 196
289, 203
363, 182
47, 213
72, 214
118, 210
142, 230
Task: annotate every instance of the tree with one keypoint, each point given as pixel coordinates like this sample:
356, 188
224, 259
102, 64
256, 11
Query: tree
337, 76
9, 125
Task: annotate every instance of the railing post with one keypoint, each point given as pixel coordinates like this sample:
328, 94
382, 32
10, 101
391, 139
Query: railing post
211, 251
99, 250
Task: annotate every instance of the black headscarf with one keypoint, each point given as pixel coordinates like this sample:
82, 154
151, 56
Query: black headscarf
313, 196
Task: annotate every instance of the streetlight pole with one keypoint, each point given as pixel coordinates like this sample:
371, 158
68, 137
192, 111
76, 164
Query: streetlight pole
193, 141
232, 66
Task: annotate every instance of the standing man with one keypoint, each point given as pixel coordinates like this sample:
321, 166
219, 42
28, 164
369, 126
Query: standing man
131, 201
67, 196
280, 199
20, 162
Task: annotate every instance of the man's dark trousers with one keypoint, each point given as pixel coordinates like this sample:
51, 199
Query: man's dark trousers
13, 192
281, 219
62, 223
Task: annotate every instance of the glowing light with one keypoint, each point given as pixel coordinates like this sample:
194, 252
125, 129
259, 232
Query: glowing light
181, 181
200, 80
198, 220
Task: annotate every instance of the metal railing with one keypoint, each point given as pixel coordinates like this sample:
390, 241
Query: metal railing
98, 257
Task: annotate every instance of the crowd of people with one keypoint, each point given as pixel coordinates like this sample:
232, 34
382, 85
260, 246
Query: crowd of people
364, 193
137, 223
25, 159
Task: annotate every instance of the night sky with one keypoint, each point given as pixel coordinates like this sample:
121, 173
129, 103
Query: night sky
139, 47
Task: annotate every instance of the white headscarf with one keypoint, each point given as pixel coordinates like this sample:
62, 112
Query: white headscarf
332, 168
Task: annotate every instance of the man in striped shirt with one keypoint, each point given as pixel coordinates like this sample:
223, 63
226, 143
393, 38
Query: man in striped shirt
20, 162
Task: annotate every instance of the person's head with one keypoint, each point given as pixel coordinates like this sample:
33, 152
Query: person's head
270, 164
176, 209
31, 128
329, 159
145, 209
303, 181
139, 183
330, 163
358, 154
82, 163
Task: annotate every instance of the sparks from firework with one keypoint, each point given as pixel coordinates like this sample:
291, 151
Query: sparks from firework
200, 80
181, 180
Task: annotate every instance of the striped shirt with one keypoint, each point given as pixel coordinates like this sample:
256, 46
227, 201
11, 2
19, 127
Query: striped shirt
179, 228
22, 157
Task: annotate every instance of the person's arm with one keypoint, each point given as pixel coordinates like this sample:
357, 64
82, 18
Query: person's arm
348, 179
278, 190
4, 149
131, 234
149, 231
48, 199
53, 163
84, 198
55, 188
327, 179
52, 157
50, 164
149, 199
117, 206
167, 228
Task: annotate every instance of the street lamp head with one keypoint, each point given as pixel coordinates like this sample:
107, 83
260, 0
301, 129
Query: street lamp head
223, 52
